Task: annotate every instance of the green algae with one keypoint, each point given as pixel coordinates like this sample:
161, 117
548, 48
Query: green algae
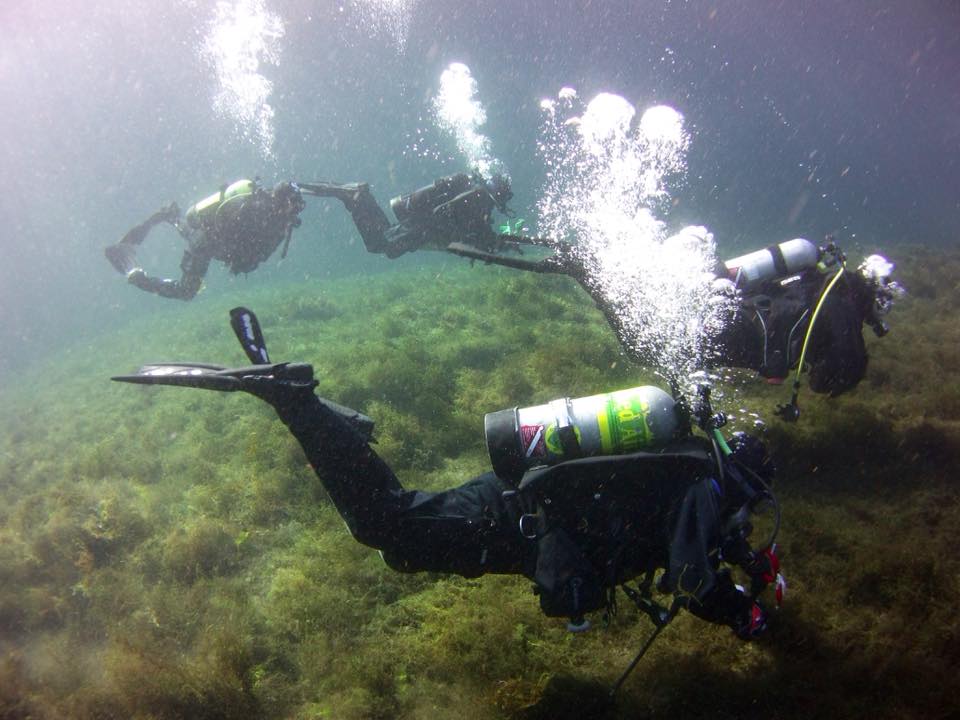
167, 553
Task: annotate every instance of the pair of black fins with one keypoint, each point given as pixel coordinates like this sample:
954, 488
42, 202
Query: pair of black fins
217, 377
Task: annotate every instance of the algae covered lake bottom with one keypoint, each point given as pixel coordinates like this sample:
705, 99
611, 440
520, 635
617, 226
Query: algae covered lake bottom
167, 553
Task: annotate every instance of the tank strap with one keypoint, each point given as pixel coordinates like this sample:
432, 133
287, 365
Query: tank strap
566, 431
779, 262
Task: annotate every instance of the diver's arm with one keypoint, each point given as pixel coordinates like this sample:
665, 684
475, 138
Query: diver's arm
549, 265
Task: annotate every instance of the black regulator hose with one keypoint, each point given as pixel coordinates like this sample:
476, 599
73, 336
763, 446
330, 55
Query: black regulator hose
767, 494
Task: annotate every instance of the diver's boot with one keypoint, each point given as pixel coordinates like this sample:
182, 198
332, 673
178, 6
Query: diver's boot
347, 193
288, 388
280, 385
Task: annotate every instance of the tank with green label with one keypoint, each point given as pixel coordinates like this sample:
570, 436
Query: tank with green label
625, 421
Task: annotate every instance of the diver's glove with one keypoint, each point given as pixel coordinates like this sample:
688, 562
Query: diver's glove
752, 624
170, 213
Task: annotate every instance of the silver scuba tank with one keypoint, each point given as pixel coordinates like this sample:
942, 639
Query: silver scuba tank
776, 261
640, 418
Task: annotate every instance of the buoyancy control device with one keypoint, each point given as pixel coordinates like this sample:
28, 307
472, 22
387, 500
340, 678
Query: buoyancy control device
423, 201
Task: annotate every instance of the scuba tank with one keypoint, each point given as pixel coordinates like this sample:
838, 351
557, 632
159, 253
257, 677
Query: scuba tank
626, 421
776, 261
423, 201
206, 213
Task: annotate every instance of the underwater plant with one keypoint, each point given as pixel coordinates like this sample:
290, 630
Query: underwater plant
166, 557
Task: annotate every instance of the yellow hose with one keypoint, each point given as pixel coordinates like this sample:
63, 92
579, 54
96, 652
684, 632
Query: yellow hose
813, 320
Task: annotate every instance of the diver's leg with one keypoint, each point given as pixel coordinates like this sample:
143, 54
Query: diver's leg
138, 234
367, 215
361, 485
370, 220
403, 238
693, 573
464, 530
742, 341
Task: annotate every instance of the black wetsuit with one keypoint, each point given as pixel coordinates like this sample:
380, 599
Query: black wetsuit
767, 331
250, 236
587, 524
456, 208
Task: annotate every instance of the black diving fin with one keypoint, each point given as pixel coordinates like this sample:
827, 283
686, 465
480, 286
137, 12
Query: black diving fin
247, 329
216, 377
256, 378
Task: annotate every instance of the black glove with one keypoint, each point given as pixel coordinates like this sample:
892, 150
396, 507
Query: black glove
170, 213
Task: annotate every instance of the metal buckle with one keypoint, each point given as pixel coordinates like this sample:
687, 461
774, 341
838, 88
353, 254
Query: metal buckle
529, 518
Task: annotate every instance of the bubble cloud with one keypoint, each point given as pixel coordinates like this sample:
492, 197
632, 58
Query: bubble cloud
458, 111
609, 179
243, 36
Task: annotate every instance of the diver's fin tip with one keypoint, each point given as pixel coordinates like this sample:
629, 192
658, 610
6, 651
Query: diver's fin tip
247, 329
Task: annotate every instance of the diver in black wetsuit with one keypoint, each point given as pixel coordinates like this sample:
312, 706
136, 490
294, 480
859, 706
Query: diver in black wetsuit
241, 225
789, 315
456, 208
796, 312
578, 528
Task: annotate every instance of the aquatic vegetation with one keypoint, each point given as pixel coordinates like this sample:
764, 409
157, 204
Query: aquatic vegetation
167, 553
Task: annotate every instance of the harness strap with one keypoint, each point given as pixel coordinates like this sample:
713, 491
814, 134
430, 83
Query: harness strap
565, 429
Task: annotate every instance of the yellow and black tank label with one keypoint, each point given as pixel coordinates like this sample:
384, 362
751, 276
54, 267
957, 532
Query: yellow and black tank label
623, 423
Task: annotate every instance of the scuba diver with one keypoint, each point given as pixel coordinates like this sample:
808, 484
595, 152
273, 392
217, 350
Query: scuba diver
797, 306
585, 495
456, 208
800, 307
241, 226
